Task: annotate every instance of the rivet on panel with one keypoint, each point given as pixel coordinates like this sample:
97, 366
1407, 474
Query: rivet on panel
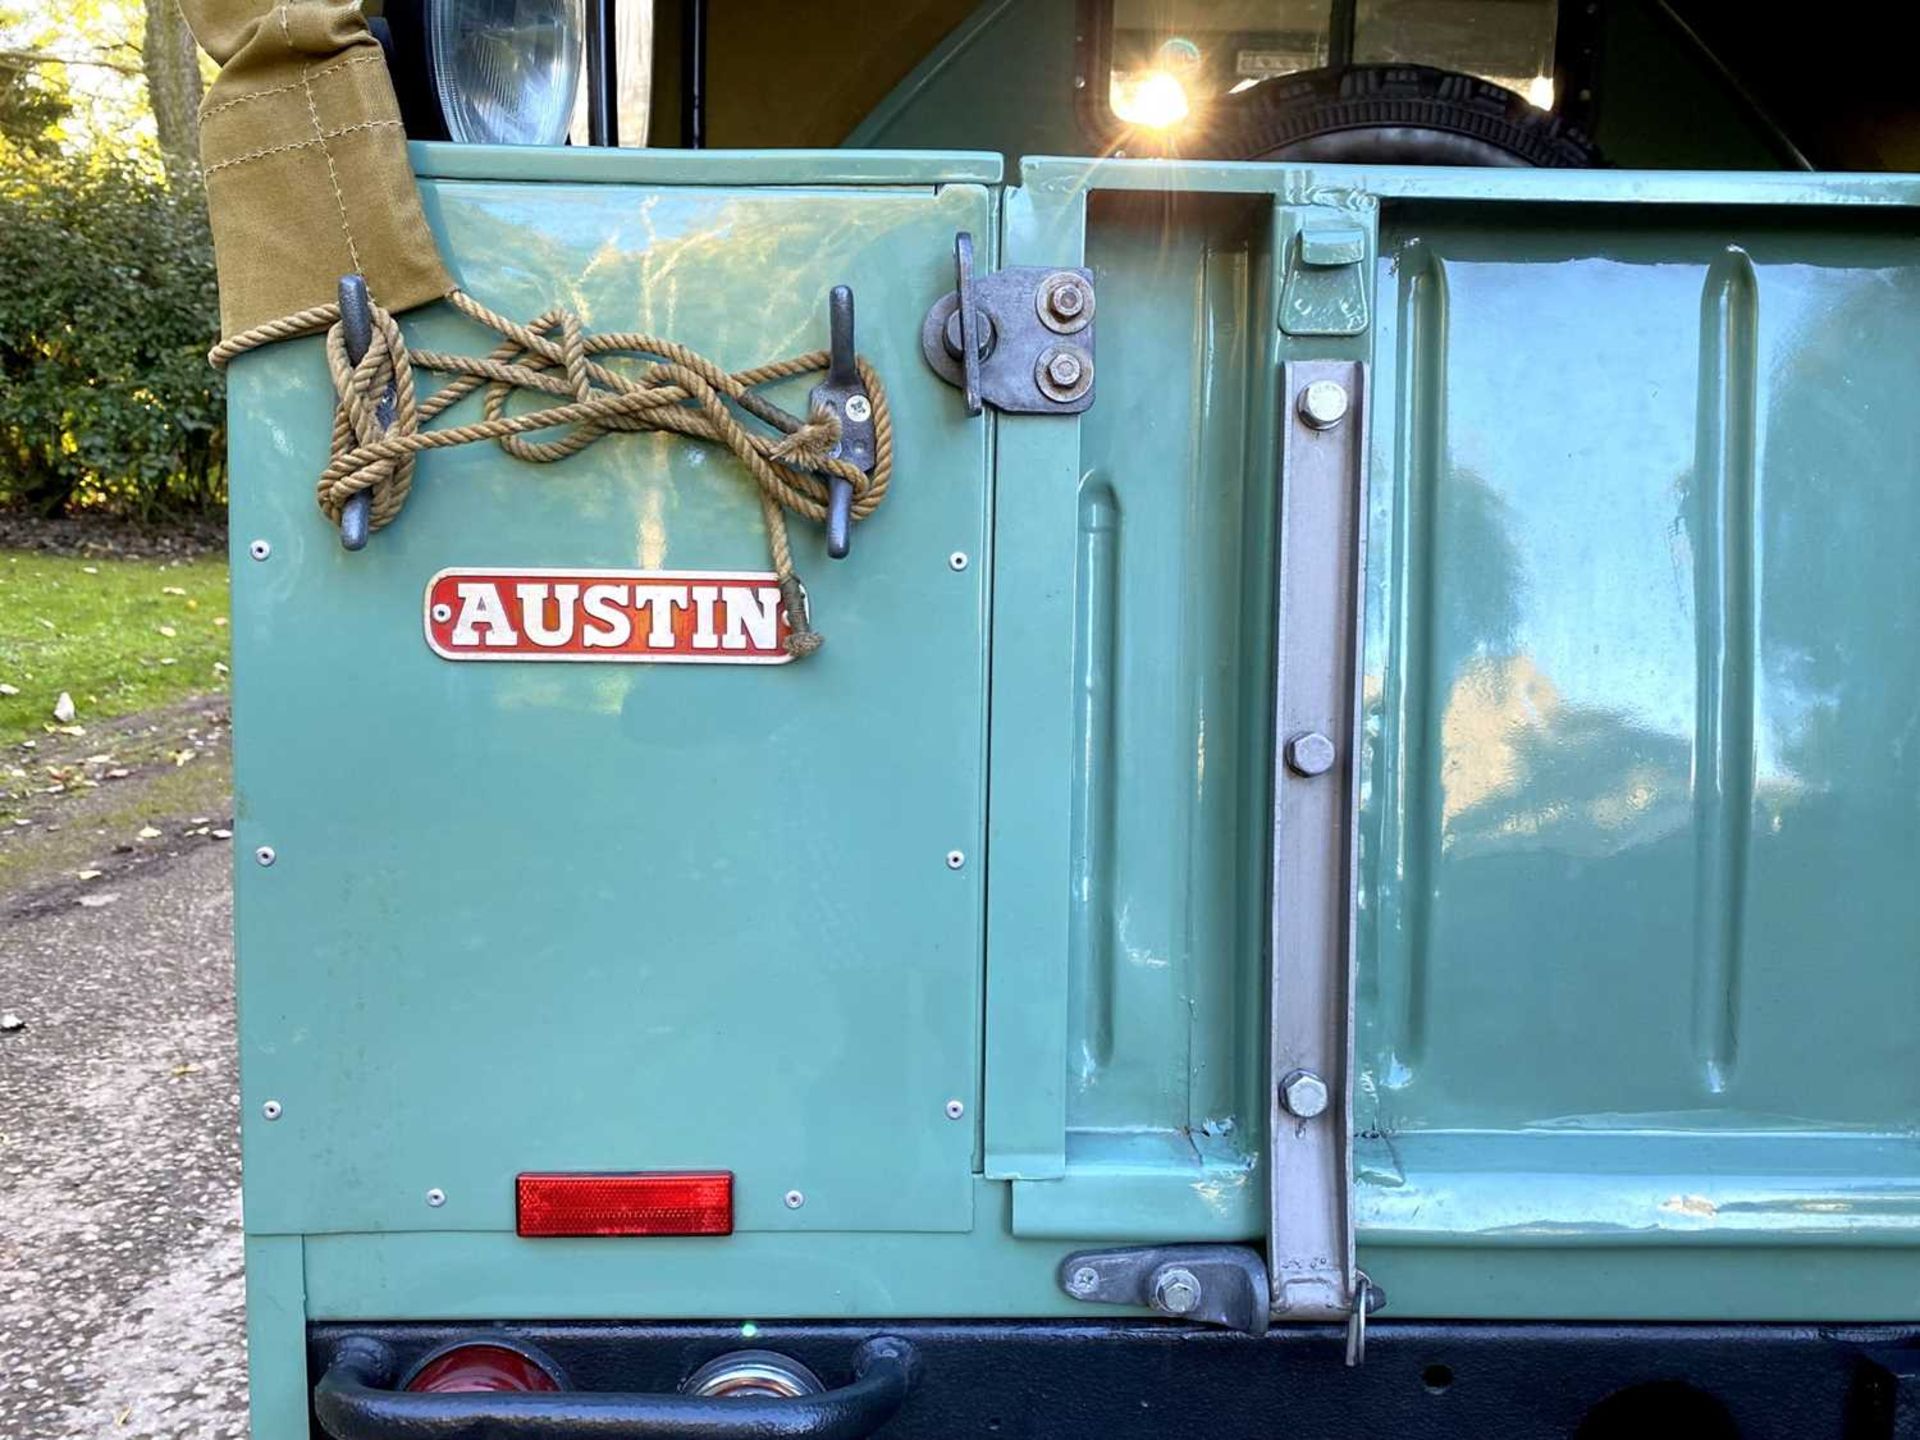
436, 1197
955, 859
957, 560
265, 855
955, 1109
271, 1109
259, 549
794, 1199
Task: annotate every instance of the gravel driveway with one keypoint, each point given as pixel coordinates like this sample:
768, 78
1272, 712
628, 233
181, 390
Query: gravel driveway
120, 1274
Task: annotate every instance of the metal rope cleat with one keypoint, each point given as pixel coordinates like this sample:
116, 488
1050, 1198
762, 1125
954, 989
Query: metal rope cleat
843, 393
356, 323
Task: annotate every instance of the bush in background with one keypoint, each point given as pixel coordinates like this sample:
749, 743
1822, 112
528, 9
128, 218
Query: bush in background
107, 309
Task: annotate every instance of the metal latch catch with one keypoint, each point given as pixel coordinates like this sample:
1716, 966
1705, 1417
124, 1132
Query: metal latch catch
1206, 1284
1019, 339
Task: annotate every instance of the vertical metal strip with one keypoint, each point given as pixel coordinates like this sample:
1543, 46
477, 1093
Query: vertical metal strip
1320, 541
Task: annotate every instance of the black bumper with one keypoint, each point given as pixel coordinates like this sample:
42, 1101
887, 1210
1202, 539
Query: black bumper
1169, 1382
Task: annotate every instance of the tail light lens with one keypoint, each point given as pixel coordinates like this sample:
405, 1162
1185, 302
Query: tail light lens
465, 1368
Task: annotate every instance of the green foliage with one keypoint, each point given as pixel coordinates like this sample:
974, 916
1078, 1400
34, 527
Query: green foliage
29, 105
106, 397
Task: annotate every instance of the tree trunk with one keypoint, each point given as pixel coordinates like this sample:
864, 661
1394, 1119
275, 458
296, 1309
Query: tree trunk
173, 89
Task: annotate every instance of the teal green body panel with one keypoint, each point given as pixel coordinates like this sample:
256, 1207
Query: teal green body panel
1635, 978
586, 917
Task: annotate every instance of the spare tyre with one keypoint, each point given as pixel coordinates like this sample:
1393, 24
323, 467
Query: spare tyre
1397, 115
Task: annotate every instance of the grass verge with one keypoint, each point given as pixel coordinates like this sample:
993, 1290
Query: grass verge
119, 636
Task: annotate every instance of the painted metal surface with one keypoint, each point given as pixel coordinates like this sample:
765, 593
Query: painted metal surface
1637, 790
585, 917
1641, 801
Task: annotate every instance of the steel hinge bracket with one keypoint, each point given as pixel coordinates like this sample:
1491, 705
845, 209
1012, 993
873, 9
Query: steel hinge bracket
1018, 339
1205, 1284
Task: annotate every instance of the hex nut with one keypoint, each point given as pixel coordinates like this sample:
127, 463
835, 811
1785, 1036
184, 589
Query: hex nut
1310, 754
1064, 302
1063, 373
1176, 1291
1323, 404
1304, 1094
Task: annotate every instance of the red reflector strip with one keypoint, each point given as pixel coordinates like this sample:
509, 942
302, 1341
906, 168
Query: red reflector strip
686, 1203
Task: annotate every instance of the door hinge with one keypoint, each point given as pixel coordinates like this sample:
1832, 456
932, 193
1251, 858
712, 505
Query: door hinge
1019, 339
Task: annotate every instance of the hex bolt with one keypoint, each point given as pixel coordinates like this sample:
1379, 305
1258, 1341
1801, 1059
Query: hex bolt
265, 855
1304, 1094
957, 560
955, 1109
1310, 754
1063, 373
955, 859
1323, 404
859, 408
1084, 1280
259, 549
793, 1199
436, 1197
1176, 1291
1064, 302
271, 1110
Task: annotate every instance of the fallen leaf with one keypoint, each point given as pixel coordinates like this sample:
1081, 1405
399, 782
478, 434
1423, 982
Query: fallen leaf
187, 1069
168, 631
223, 834
63, 710
219, 619
171, 590
118, 774
147, 832
9, 689
89, 874
89, 569
169, 661
10, 1022
181, 757
94, 902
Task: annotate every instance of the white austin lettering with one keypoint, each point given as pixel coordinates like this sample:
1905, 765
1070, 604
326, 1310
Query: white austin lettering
533, 612
607, 604
481, 607
753, 617
706, 636
660, 601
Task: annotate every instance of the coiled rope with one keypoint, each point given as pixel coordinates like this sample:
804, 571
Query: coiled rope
679, 391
